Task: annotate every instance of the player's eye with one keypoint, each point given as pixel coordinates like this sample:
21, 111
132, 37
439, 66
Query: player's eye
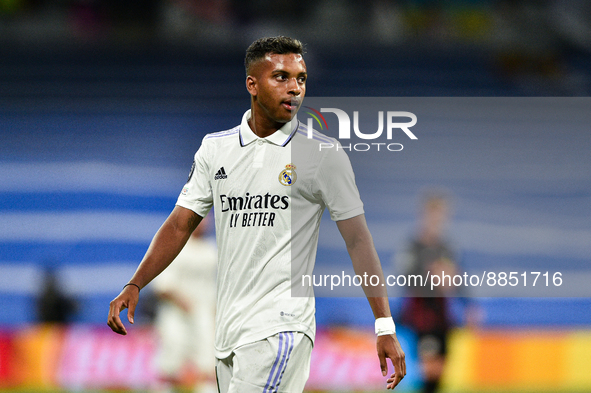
302, 79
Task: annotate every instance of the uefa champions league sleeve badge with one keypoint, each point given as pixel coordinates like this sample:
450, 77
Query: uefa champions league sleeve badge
288, 176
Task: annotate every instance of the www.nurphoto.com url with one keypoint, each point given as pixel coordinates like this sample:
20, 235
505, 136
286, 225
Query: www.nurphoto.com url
440, 279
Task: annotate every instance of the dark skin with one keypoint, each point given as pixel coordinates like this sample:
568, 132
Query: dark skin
277, 85
165, 246
365, 260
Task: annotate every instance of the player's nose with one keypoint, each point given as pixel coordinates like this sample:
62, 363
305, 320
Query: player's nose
294, 87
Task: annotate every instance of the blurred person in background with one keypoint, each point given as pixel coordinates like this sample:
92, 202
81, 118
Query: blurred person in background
185, 315
53, 304
427, 313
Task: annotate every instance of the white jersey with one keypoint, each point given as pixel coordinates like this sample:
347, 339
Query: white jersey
187, 335
268, 196
192, 274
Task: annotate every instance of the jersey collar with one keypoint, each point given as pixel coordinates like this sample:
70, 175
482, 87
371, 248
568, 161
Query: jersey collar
281, 137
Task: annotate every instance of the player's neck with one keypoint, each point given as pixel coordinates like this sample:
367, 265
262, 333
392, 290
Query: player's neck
263, 126
261, 131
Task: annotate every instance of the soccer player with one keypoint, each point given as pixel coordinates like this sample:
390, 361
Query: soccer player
427, 312
268, 183
185, 315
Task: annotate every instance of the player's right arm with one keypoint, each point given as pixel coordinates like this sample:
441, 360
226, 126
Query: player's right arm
165, 246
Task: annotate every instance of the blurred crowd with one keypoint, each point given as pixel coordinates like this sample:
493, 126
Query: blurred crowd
536, 43
528, 26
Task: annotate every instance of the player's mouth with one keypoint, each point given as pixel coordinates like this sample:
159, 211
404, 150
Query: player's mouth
291, 104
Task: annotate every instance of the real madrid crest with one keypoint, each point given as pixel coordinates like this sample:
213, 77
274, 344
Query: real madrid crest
288, 176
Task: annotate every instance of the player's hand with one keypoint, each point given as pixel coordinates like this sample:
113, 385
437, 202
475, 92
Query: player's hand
389, 347
128, 298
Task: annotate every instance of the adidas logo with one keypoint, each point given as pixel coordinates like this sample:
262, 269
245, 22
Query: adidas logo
221, 174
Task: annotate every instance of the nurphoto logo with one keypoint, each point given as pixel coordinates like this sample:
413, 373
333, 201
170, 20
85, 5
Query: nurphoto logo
393, 125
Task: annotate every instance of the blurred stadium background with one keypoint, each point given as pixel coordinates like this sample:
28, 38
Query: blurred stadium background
103, 103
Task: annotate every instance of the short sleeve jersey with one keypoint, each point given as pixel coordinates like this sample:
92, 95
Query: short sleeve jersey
268, 196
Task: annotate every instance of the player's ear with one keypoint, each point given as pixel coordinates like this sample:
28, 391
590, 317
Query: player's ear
251, 85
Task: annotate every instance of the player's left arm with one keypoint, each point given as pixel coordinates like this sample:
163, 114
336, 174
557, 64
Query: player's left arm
366, 262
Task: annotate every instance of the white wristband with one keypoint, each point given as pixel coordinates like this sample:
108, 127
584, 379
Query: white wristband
385, 326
